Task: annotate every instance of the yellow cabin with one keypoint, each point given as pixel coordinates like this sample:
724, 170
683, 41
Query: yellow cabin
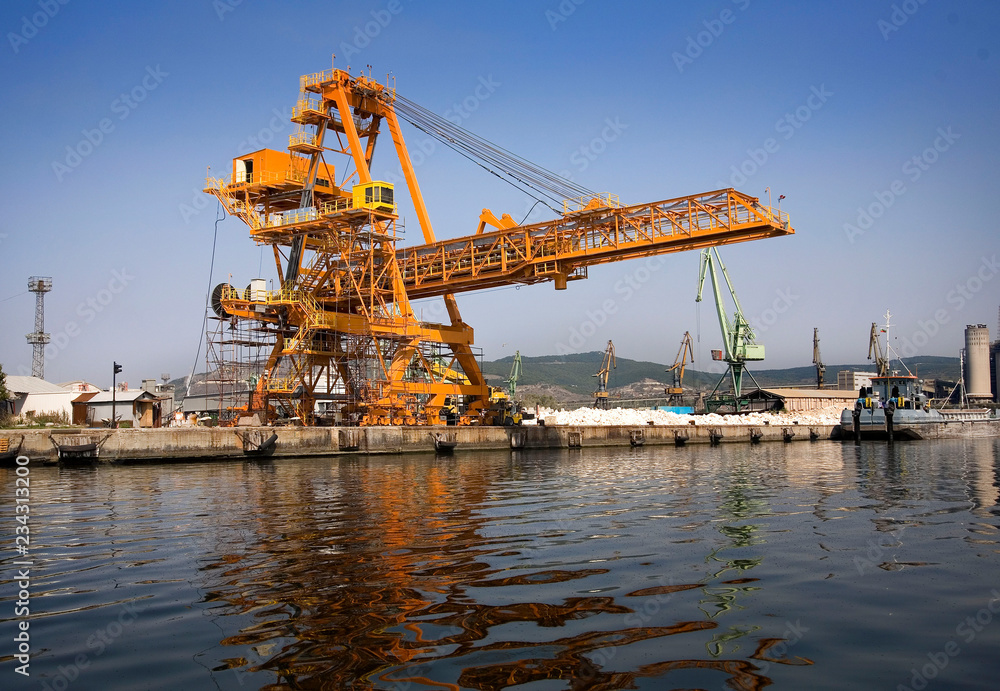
375, 195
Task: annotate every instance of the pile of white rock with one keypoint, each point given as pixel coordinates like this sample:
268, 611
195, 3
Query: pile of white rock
633, 416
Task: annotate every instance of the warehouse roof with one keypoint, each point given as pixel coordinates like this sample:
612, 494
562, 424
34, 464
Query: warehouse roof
123, 396
16, 384
813, 393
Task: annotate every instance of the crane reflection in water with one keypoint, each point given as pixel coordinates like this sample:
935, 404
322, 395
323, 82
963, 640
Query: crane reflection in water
429, 574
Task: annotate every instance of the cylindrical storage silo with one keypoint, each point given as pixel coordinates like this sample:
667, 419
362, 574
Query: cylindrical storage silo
977, 361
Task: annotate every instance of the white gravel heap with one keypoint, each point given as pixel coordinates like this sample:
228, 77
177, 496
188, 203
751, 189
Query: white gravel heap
631, 416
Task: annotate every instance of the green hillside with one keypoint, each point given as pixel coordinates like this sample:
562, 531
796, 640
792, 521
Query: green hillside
575, 372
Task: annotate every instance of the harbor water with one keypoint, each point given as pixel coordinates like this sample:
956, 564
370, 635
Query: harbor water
789, 566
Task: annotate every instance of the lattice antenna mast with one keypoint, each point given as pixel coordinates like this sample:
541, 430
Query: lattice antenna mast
39, 285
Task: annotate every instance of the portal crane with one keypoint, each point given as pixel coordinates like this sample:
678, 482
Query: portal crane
737, 338
684, 355
515, 374
341, 323
607, 364
875, 350
818, 359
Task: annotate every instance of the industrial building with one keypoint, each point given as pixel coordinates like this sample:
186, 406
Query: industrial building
849, 380
136, 407
32, 395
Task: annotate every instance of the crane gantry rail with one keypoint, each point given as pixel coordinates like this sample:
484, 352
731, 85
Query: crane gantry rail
343, 328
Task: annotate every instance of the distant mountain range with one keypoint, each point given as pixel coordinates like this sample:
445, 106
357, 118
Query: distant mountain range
571, 376
575, 372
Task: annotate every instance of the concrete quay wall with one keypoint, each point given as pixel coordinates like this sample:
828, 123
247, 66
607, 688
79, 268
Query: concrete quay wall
220, 443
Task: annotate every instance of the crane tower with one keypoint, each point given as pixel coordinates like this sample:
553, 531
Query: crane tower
39, 285
339, 322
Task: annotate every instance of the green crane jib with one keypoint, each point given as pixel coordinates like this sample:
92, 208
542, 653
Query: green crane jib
515, 374
737, 337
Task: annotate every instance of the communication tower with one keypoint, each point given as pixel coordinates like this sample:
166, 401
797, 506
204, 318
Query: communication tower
39, 285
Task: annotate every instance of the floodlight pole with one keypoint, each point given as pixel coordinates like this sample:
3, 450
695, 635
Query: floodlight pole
114, 394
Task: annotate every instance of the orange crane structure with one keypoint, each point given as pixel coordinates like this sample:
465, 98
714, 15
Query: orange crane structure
341, 325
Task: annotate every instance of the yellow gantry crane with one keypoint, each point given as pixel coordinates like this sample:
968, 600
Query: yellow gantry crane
343, 328
609, 363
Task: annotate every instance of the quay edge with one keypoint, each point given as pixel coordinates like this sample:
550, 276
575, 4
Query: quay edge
223, 443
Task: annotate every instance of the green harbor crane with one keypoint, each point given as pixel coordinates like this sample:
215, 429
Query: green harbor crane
515, 374
737, 339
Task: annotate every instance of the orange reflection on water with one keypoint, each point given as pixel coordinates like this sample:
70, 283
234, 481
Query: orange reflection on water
391, 574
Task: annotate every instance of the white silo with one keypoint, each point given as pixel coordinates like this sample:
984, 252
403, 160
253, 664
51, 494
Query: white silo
977, 361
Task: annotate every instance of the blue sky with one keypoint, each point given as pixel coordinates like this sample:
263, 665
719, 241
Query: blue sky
877, 121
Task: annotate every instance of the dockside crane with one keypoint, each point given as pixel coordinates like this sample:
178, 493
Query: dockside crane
737, 338
818, 359
339, 328
875, 351
685, 355
515, 374
607, 364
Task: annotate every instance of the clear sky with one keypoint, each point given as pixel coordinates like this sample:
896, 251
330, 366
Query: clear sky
878, 121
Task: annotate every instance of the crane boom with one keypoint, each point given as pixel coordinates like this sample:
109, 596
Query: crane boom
818, 359
560, 250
